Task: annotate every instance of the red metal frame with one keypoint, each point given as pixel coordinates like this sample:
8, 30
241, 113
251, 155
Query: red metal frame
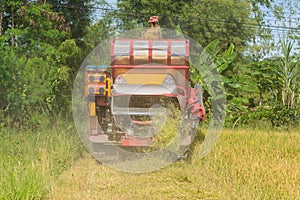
150, 51
150, 48
188, 52
131, 51
167, 95
112, 52
151, 66
197, 110
150, 54
169, 53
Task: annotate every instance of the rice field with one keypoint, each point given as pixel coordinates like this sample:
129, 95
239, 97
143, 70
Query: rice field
245, 164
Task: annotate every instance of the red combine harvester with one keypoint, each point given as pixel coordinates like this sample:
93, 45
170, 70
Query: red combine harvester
146, 76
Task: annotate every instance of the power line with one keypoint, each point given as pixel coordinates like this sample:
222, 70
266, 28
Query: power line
274, 27
249, 27
289, 20
256, 27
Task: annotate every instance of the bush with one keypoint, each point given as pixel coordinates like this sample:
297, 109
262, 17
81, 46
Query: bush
277, 116
284, 116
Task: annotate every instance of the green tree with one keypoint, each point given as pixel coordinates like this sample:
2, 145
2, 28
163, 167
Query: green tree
98, 32
263, 73
77, 14
226, 21
34, 68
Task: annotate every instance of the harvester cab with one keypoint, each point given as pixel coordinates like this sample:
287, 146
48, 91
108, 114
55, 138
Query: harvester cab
145, 76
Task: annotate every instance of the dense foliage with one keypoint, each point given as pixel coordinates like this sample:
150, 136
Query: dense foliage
43, 43
37, 63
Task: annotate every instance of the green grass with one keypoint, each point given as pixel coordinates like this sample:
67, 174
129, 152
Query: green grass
31, 160
245, 164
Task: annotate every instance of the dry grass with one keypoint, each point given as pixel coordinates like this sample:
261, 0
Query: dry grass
245, 164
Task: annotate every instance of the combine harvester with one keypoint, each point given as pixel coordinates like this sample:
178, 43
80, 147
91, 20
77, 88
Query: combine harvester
146, 76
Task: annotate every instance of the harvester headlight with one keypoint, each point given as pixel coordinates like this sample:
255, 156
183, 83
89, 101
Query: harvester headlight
101, 90
91, 79
120, 80
101, 79
91, 90
169, 80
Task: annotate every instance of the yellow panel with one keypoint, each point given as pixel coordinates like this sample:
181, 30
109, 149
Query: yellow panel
92, 109
108, 90
144, 78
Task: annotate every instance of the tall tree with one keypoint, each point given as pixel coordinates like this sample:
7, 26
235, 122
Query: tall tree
228, 21
77, 14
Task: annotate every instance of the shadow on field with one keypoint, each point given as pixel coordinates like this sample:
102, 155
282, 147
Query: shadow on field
195, 147
123, 154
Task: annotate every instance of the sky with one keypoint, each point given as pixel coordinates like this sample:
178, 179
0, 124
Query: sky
289, 25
